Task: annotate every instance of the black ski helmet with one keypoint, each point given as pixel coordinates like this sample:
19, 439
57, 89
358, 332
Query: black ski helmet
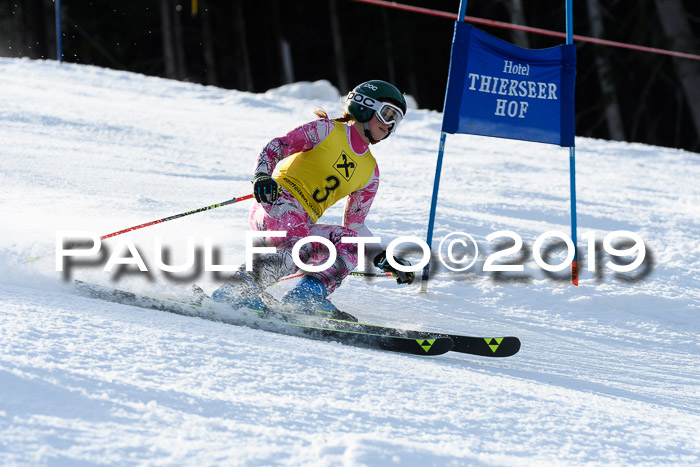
378, 90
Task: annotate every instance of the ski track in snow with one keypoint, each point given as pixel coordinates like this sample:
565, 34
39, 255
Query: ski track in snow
608, 372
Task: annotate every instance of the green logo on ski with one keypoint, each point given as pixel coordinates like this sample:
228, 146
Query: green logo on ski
493, 342
426, 344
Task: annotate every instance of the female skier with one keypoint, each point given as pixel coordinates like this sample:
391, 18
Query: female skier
299, 176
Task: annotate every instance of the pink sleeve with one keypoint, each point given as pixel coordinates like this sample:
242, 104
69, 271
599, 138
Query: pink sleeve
358, 204
299, 139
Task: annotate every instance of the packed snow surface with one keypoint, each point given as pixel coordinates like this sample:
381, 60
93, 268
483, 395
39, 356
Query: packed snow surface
608, 372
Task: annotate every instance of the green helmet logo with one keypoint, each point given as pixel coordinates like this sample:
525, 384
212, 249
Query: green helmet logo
378, 90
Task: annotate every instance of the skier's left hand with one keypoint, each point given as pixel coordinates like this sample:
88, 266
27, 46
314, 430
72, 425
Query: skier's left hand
265, 189
401, 277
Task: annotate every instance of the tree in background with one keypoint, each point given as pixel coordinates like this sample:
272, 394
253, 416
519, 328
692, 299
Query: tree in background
608, 89
674, 21
169, 41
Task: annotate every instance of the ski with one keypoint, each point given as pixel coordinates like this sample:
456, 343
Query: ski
279, 322
202, 306
505, 346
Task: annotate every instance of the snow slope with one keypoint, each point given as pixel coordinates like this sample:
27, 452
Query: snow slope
608, 373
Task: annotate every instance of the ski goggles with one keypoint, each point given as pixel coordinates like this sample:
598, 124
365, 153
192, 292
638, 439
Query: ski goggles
386, 112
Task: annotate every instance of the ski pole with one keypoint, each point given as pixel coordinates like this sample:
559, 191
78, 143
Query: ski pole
373, 274
359, 274
177, 216
159, 221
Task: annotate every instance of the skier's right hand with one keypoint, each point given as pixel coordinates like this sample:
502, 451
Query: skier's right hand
401, 277
265, 189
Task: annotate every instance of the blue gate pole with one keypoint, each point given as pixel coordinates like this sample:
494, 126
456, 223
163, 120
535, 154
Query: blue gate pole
436, 187
59, 41
438, 169
572, 157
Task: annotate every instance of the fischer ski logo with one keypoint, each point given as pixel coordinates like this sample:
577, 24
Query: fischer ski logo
426, 344
493, 342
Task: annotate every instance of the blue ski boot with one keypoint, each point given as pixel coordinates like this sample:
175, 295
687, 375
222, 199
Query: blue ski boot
309, 296
240, 292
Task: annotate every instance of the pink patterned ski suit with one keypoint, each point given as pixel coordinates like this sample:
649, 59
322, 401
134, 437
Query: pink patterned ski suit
287, 214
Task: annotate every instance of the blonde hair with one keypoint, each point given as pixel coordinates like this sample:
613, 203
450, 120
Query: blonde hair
345, 118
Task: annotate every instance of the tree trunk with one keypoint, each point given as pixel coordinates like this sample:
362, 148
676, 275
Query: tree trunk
209, 44
517, 16
49, 25
178, 44
613, 116
338, 48
245, 76
389, 43
674, 22
283, 48
166, 28
287, 62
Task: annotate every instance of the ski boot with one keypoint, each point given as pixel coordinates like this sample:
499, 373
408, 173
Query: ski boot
197, 295
240, 292
309, 296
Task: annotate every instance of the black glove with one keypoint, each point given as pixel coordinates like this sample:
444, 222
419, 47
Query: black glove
265, 189
401, 277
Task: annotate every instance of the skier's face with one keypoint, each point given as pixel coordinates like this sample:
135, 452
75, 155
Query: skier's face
378, 129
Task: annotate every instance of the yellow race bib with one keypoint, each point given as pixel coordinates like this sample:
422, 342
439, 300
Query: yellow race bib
321, 177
